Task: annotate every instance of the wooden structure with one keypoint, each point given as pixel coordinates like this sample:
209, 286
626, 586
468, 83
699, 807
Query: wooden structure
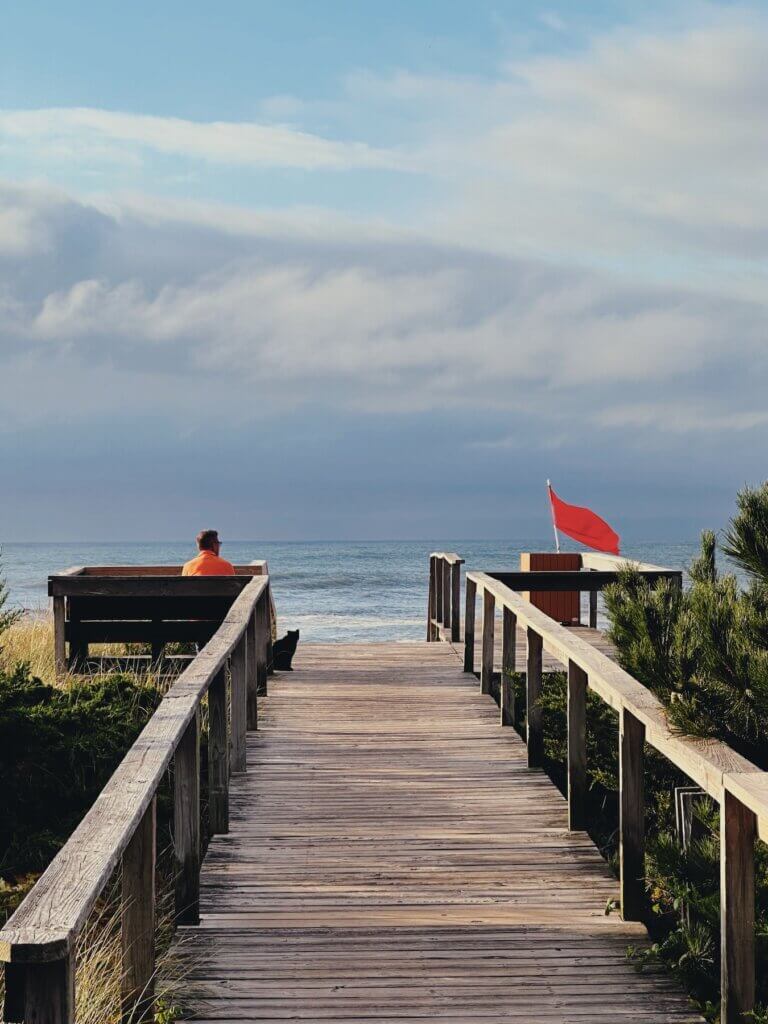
151, 604
562, 606
739, 786
38, 943
392, 852
393, 859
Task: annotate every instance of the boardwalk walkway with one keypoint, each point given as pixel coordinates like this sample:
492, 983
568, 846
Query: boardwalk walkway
390, 858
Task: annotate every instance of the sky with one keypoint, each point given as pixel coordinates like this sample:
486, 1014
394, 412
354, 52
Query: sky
355, 270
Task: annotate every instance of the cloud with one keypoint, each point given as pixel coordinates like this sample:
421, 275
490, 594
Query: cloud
78, 132
376, 326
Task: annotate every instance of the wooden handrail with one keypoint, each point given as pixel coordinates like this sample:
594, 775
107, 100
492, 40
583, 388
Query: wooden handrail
739, 786
38, 942
444, 603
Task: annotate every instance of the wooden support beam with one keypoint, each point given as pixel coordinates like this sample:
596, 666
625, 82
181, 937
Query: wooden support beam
137, 986
469, 626
186, 824
439, 592
251, 676
218, 755
631, 817
534, 720
432, 599
260, 627
486, 665
507, 688
737, 910
40, 993
593, 609
455, 602
447, 592
238, 707
577, 746
59, 640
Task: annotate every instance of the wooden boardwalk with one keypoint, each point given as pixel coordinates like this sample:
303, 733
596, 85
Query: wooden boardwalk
391, 858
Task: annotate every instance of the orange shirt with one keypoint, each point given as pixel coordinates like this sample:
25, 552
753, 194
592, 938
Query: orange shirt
208, 564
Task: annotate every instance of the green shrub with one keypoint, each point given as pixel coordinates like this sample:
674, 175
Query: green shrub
58, 747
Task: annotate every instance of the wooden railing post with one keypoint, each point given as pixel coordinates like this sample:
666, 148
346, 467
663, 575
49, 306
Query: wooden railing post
251, 675
469, 626
40, 993
577, 746
260, 626
432, 600
508, 649
218, 755
455, 602
737, 910
439, 592
534, 720
59, 637
186, 823
447, 593
486, 665
631, 817
238, 706
593, 609
137, 985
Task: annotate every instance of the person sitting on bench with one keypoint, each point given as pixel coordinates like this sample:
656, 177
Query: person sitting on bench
208, 562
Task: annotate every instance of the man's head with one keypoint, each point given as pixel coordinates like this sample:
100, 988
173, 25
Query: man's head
208, 540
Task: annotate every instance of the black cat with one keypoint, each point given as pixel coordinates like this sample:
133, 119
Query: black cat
284, 650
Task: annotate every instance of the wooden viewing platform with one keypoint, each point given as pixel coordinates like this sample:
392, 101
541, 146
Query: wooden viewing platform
384, 848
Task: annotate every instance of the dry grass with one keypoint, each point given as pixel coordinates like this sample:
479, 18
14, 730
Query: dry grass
30, 640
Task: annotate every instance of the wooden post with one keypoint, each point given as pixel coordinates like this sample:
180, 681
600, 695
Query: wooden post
486, 666
631, 817
439, 592
40, 993
593, 609
260, 629
251, 675
455, 602
737, 910
59, 640
218, 755
577, 746
447, 592
432, 600
238, 706
78, 649
534, 720
508, 646
469, 626
137, 986
186, 824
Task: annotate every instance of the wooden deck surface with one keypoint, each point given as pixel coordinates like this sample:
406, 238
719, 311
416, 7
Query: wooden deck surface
392, 859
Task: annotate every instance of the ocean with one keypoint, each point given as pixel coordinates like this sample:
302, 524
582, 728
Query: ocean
335, 591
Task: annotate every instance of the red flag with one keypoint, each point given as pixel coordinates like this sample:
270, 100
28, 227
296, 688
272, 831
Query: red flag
583, 525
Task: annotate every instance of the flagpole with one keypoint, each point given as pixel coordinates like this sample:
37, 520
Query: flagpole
554, 524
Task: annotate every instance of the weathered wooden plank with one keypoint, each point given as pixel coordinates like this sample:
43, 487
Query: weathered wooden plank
534, 718
147, 586
469, 625
59, 639
239, 710
570, 580
456, 600
486, 665
186, 824
138, 922
577, 746
631, 817
507, 694
737, 909
218, 755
